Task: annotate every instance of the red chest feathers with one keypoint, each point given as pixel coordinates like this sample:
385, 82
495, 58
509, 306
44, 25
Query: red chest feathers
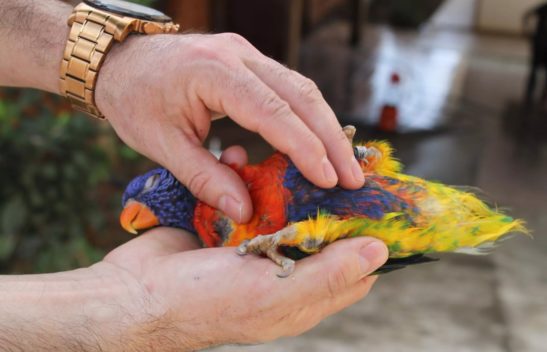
269, 197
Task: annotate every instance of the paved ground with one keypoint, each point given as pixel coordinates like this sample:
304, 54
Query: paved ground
490, 303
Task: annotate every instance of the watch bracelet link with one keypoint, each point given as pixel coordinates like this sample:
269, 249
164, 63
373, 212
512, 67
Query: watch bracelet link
90, 38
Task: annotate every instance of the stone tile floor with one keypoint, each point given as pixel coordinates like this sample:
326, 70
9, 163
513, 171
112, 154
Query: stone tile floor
484, 139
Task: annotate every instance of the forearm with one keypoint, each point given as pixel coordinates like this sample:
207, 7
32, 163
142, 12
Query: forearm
82, 310
33, 34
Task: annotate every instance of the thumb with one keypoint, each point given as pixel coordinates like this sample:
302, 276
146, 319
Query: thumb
211, 181
342, 264
158, 242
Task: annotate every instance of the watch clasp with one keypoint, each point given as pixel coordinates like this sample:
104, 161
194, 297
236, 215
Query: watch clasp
147, 27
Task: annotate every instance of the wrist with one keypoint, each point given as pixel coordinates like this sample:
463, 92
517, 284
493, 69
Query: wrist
33, 35
110, 89
91, 307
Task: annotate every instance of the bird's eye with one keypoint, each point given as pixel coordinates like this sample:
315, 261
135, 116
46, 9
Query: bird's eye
151, 183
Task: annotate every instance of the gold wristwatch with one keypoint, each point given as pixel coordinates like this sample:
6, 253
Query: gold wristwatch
95, 26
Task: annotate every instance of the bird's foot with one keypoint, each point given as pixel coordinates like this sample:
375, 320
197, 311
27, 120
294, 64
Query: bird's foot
268, 245
361, 152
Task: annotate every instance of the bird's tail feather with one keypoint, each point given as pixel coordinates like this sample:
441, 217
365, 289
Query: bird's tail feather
393, 264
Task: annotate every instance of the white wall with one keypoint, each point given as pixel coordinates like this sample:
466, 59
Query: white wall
458, 14
503, 15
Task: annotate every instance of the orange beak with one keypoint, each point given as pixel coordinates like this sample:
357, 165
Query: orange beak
137, 216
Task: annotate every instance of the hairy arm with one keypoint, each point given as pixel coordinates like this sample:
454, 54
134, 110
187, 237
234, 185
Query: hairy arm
156, 293
91, 309
32, 38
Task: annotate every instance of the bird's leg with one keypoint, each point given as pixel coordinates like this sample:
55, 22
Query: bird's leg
361, 152
364, 153
358, 151
268, 245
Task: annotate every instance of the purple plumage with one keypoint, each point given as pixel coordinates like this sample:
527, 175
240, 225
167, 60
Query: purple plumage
165, 196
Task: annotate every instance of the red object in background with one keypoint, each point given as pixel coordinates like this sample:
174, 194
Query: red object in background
390, 112
388, 119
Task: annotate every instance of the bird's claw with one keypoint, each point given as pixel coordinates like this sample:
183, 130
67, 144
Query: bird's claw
364, 153
361, 152
242, 248
287, 268
268, 245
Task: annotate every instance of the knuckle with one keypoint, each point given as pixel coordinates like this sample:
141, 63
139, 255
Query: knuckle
234, 38
282, 72
308, 90
274, 107
309, 142
205, 52
198, 182
338, 280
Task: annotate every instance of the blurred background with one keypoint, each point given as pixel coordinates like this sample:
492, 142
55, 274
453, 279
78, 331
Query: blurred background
458, 86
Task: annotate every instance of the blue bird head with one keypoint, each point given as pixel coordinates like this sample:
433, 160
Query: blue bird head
157, 198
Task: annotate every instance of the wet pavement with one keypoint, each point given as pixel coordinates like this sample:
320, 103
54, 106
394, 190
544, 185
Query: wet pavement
460, 102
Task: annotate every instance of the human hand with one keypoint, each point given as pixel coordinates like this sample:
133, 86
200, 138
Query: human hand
200, 298
160, 92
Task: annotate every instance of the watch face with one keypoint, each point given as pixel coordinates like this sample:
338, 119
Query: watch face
125, 8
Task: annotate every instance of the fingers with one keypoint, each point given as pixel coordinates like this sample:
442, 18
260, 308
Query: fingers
306, 101
347, 298
235, 156
322, 284
334, 279
256, 107
340, 266
314, 312
209, 180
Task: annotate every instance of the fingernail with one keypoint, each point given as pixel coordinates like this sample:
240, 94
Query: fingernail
357, 171
232, 207
328, 171
371, 255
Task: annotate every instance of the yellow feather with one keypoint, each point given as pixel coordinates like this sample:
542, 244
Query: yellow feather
404, 240
447, 220
386, 164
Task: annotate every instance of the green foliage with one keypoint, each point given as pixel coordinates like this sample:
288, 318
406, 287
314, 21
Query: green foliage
49, 166
61, 179
57, 191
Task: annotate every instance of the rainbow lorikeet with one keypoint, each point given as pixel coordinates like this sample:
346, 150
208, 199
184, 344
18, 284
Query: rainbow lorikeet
293, 218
